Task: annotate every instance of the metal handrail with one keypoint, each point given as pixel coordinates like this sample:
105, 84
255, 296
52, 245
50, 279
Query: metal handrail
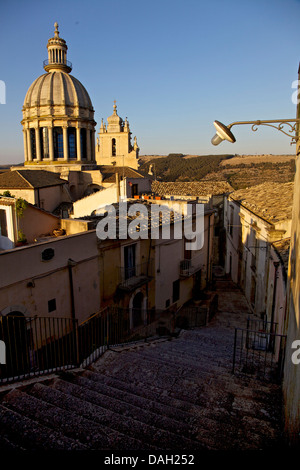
50, 62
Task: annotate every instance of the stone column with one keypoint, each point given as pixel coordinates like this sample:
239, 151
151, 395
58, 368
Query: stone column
65, 140
29, 145
93, 145
38, 144
51, 147
88, 143
25, 145
78, 143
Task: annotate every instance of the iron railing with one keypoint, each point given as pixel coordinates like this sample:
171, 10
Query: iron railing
188, 267
57, 62
36, 346
132, 276
259, 351
191, 316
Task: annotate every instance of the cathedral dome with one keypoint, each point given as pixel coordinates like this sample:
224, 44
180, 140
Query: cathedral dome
58, 116
57, 88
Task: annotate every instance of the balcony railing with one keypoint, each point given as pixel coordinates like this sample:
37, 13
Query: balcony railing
66, 63
188, 267
134, 276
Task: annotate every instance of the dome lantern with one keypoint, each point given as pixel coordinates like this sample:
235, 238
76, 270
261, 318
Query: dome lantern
58, 115
57, 54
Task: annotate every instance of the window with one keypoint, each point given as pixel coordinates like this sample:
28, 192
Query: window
32, 143
113, 147
129, 261
72, 143
83, 143
3, 223
51, 305
44, 142
176, 290
58, 145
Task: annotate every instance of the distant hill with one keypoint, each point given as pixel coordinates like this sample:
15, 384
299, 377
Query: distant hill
175, 167
240, 171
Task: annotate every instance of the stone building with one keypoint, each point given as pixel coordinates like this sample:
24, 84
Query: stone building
255, 218
76, 274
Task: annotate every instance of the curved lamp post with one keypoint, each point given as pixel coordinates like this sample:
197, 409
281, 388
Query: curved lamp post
224, 133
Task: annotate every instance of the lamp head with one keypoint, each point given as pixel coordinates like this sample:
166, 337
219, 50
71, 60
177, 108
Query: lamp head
223, 133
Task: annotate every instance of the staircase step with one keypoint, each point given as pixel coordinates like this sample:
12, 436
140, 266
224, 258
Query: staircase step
73, 426
179, 433
141, 400
24, 432
57, 394
151, 392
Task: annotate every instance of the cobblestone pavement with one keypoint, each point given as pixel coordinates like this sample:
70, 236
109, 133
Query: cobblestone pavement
170, 394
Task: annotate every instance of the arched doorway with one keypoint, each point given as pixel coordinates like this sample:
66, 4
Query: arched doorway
137, 310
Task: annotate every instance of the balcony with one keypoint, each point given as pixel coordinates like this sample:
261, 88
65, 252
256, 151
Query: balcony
48, 65
188, 267
132, 277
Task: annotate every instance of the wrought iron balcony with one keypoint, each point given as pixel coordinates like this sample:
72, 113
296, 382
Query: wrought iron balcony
49, 63
188, 267
132, 277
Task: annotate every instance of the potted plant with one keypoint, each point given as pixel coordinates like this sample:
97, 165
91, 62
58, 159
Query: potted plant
22, 240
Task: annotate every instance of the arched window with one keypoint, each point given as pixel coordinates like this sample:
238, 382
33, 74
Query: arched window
33, 143
113, 147
58, 145
72, 142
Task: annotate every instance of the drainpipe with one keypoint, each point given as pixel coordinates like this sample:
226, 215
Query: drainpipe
71, 263
208, 249
118, 186
271, 344
38, 198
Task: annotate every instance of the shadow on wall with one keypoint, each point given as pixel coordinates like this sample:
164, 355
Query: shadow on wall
291, 381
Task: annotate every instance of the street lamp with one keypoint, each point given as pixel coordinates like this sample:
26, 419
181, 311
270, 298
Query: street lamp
224, 133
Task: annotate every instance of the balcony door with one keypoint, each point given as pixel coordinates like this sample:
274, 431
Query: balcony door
129, 261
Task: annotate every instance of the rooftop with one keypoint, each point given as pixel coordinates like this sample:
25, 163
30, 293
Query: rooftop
29, 179
271, 201
109, 173
192, 188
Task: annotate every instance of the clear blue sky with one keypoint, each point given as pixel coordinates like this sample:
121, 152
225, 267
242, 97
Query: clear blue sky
174, 66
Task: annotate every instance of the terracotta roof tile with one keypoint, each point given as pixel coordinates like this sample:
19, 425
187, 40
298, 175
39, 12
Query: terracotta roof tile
109, 173
28, 179
192, 188
271, 201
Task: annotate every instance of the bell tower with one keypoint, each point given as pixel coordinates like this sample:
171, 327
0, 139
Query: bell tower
114, 145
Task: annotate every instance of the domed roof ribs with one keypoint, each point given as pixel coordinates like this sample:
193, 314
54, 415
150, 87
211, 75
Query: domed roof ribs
39, 91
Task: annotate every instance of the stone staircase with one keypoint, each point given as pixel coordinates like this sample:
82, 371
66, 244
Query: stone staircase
168, 394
